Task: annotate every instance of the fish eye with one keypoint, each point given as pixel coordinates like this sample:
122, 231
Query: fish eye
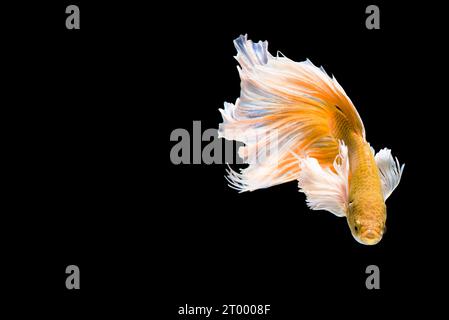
356, 225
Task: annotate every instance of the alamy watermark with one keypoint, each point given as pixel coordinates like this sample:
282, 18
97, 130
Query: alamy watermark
373, 280
73, 19
73, 279
373, 19
205, 147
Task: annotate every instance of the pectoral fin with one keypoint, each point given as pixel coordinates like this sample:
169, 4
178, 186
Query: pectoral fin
390, 171
324, 188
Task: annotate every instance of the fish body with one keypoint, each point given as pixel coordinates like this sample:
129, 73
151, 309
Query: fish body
297, 123
366, 213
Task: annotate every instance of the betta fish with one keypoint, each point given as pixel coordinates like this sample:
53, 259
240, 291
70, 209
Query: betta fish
297, 123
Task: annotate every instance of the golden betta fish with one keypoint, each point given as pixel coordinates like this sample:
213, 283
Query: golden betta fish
297, 123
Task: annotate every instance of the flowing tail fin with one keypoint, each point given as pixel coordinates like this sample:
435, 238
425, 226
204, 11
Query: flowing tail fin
285, 109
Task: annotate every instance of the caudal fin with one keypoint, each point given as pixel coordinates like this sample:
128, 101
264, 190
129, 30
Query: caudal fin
285, 109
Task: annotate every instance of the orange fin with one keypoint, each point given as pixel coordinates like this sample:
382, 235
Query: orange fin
285, 108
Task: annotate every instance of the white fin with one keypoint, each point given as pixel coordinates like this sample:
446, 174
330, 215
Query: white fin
390, 171
284, 107
324, 188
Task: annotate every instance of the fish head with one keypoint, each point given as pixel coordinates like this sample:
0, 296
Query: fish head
367, 220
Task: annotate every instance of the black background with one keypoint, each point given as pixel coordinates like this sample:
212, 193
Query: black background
91, 115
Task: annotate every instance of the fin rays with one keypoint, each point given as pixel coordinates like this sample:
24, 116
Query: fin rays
324, 188
283, 106
390, 171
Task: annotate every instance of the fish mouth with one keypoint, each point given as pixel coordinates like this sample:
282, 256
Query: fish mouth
370, 237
